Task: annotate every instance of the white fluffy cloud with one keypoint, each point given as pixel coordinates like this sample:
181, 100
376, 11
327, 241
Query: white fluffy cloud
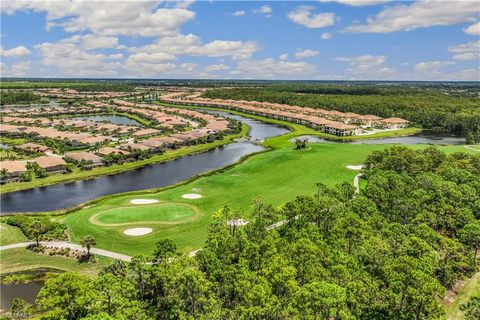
432, 65
18, 69
238, 13
466, 51
283, 57
419, 14
306, 54
326, 36
272, 69
90, 42
72, 60
368, 67
358, 3
216, 67
473, 30
192, 45
265, 9
131, 18
19, 51
303, 15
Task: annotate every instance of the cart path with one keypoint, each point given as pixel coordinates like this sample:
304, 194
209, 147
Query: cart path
63, 244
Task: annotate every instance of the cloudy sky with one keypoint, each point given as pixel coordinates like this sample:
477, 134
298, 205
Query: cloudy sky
325, 39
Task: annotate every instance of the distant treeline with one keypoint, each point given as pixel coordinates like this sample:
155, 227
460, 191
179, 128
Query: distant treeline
20, 97
446, 109
79, 86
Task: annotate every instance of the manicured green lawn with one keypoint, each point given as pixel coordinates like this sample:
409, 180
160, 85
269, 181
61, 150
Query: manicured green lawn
472, 287
164, 212
276, 176
21, 259
10, 234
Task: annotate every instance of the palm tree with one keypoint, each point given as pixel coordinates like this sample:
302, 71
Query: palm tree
88, 242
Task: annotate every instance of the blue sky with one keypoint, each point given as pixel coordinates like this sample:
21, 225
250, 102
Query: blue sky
325, 39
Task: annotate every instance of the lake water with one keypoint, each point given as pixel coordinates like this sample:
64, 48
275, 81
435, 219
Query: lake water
109, 118
64, 195
419, 138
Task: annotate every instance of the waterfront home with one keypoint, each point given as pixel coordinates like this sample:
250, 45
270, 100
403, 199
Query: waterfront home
368, 120
51, 163
394, 123
108, 150
169, 142
342, 129
134, 146
154, 144
78, 157
14, 170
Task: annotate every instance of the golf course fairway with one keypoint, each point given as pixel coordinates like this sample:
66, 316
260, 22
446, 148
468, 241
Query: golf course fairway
276, 176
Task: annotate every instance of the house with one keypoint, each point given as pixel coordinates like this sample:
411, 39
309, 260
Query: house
145, 133
33, 147
394, 123
342, 129
170, 141
14, 169
78, 157
51, 163
368, 120
134, 146
108, 150
154, 144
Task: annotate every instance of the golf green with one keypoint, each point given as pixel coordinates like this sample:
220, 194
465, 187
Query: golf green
163, 212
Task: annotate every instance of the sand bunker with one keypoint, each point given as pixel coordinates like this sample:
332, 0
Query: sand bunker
359, 167
137, 231
143, 201
192, 196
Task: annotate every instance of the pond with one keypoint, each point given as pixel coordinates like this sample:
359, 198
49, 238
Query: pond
64, 195
111, 118
424, 137
26, 291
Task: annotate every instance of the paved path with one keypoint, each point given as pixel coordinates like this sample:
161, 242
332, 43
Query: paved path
356, 181
63, 244
471, 148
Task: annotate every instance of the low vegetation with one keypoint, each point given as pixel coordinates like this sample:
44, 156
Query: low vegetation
18, 97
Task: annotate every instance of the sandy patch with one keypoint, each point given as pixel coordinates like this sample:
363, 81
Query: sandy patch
135, 232
359, 167
143, 201
192, 196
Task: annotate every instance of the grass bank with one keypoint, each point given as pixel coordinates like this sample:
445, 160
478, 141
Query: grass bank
10, 234
78, 174
21, 259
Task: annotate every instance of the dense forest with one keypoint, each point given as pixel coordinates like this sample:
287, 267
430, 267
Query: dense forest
389, 252
18, 97
452, 109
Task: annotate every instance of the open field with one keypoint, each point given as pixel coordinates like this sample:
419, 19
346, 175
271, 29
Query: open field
276, 176
10, 234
